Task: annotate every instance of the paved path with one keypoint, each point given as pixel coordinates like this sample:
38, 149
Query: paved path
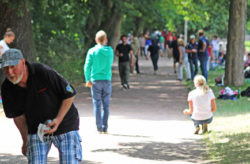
146, 124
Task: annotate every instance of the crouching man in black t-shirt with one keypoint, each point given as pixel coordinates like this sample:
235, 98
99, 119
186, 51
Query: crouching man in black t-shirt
33, 94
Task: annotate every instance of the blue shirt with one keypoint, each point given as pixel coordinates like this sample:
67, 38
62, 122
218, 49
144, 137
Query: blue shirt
200, 45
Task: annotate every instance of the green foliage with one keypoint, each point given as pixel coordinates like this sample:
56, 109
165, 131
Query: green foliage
67, 28
212, 16
58, 36
248, 18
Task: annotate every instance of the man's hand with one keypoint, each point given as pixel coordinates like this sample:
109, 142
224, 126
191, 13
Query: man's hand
89, 84
24, 149
194, 50
53, 125
121, 54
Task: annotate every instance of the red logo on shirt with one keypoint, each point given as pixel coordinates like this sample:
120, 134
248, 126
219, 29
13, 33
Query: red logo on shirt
42, 90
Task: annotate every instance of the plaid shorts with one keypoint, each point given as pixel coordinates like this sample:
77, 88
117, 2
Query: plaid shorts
68, 144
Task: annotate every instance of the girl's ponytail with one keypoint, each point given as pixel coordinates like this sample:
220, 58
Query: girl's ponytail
200, 81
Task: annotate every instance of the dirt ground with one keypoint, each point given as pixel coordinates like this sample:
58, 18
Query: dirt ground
146, 124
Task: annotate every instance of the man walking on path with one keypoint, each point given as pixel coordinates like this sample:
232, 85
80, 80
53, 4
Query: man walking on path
134, 42
98, 74
203, 53
33, 94
125, 53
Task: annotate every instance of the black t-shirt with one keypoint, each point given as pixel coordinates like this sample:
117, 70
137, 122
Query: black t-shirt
125, 49
191, 46
154, 49
174, 45
41, 99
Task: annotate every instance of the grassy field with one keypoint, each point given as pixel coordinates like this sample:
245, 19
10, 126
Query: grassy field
229, 137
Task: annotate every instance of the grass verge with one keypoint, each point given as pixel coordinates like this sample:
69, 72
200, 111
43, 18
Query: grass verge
229, 139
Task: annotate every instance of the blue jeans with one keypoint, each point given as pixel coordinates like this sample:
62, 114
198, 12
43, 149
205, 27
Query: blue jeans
201, 122
101, 93
193, 67
203, 64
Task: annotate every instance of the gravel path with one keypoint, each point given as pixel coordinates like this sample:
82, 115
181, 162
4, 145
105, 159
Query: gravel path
146, 124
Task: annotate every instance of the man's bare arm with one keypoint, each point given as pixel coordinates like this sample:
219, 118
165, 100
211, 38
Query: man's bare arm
21, 124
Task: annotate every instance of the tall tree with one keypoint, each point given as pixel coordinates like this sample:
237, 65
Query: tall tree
15, 14
235, 43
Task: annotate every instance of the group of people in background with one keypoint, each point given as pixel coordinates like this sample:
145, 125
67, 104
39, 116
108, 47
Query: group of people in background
188, 54
98, 72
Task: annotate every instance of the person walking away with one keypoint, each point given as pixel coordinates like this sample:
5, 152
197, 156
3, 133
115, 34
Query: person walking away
202, 53
153, 49
35, 95
134, 42
124, 52
98, 74
215, 49
201, 104
183, 61
191, 49
142, 42
176, 55
162, 41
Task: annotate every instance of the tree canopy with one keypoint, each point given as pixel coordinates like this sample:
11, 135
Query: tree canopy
63, 30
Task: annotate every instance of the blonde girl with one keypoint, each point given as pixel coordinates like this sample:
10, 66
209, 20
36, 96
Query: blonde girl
201, 104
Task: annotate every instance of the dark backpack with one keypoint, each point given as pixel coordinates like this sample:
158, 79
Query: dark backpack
246, 92
247, 73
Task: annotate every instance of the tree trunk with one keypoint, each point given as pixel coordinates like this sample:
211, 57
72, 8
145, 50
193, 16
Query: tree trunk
235, 43
116, 32
139, 26
14, 14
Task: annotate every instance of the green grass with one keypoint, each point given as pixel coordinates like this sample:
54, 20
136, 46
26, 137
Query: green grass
247, 45
229, 139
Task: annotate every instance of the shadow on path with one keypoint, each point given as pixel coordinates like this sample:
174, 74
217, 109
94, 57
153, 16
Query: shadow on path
160, 151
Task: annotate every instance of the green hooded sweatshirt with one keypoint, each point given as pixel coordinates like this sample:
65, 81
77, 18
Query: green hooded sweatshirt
98, 65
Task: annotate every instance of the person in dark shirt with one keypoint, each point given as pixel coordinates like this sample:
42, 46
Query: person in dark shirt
176, 55
124, 52
191, 49
32, 94
154, 54
203, 53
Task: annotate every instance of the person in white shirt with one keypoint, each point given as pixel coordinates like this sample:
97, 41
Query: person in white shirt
9, 37
201, 104
215, 48
142, 42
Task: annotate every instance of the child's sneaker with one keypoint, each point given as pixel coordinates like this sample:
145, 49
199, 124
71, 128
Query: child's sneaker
197, 129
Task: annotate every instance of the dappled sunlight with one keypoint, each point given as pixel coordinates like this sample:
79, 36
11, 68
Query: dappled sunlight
229, 147
241, 122
161, 151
